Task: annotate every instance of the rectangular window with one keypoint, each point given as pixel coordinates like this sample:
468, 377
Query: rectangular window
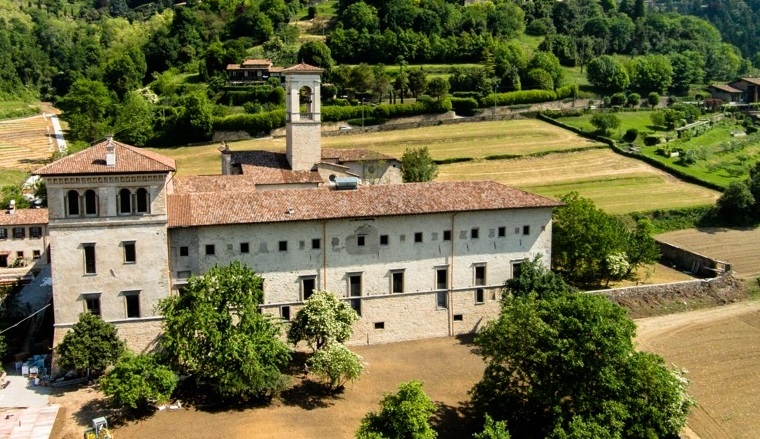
316, 244
447, 235
132, 302
418, 237
35, 254
442, 299
308, 285
184, 251
361, 240
442, 279
244, 248
184, 274
35, 232
383, 239
516, 269
130, 253
3, 261
526, 230
379, 325
3, 233
92, 304
355, 290
480, 275
458, 317
479, 295
285, 313
20, 255
474, 233
397, 281
210, 249
19, 233
283, 246
89, 259
502, 232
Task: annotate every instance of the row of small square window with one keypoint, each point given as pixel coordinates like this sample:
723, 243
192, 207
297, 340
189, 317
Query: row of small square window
20, 232
361, 241
441, 302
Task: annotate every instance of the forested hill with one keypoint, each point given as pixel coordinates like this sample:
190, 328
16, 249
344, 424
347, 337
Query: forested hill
153, 71
737, 21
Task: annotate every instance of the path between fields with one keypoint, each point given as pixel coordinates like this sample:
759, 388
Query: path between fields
654, 331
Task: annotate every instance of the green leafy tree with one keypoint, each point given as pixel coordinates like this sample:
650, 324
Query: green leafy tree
535, 278
323, 319
336, 365
754, 187
633, 100
136, 380
653, 99
608, 74
90, 346
584, 236
87, 108
360, 16
215, 331
737, 202
403, 415
417, 165
565, 365
417, 81
550, 63
315, 53
134, 119
438, 87
539, 79
605, 122
651, 73
493, 430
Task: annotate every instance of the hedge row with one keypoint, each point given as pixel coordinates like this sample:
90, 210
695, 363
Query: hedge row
649, 160
464, 106
528, 96
252, 123
384, 111
260, 94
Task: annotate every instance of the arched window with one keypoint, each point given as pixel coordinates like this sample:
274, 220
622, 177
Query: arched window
72, 203
125, 201
90, 203
143, 201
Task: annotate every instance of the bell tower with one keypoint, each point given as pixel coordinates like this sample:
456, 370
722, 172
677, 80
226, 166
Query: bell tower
302, 116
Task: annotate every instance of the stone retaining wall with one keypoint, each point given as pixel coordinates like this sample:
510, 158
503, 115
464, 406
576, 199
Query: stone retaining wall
695, 263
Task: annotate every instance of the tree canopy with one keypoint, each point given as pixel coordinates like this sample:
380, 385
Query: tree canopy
417, 165
215, 331
322, 320
405, 414
90, 345
136, 380
564, 366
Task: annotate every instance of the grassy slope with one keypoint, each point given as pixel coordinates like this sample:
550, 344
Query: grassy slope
713, 145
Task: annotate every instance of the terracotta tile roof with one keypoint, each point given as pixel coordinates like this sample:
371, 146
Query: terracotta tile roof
129, 160
726, 88
213, 183
755, 81
24, 217
276, 69
257, 62
203, 209
233, 66
303, 68
353, 155
266, 167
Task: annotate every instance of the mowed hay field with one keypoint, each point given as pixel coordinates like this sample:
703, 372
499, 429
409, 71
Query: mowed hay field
465, 140
24, 143
615, 183
740, 247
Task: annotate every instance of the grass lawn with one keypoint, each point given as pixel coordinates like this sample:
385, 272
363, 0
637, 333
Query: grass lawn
615, 183
641, 120
12, 176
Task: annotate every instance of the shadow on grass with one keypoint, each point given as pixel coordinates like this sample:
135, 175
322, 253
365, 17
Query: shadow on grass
454, 422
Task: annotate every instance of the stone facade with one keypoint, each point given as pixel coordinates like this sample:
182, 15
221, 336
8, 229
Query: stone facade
333, 252
23, 243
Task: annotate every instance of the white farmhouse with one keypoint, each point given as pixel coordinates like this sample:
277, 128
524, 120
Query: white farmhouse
415, 260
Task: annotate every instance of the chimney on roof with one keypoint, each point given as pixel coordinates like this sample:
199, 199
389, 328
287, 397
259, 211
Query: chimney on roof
12, 207
110, 151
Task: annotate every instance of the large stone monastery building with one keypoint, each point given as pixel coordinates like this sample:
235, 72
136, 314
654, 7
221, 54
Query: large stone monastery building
414, 260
